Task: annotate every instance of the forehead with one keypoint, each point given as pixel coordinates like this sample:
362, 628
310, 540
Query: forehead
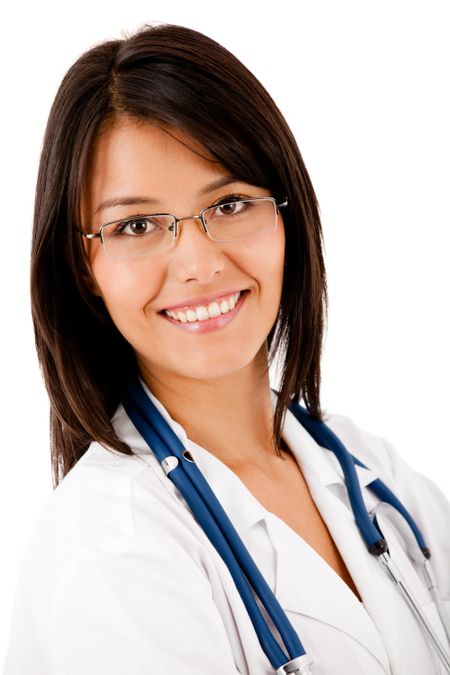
133, 157
123, 150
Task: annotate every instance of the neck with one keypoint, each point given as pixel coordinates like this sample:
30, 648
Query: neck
231, 416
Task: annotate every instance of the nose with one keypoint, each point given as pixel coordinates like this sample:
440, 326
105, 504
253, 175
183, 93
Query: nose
195, 255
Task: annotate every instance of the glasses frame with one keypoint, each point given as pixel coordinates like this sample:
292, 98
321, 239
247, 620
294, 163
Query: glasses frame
99, 234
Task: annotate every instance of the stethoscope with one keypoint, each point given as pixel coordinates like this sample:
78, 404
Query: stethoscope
180, 467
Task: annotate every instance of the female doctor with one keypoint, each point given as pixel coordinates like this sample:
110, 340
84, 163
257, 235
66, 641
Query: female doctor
176, 250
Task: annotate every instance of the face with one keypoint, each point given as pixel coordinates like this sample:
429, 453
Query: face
171, 173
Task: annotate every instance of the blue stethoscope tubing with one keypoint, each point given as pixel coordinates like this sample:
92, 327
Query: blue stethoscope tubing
209, 513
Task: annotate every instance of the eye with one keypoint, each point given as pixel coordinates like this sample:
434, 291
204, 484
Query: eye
230, 205
137, 226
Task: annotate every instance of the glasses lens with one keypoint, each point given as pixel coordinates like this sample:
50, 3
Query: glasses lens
141, 235
240, 219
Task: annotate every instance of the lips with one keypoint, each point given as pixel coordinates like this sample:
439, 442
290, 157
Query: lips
191, 322
201, 301
205, 312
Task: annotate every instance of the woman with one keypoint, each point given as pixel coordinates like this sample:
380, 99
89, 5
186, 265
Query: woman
176, 251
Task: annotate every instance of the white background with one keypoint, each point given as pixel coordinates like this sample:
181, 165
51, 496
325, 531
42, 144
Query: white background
364, 87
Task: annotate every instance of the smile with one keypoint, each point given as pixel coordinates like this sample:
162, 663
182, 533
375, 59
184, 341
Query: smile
204, 319
203, 312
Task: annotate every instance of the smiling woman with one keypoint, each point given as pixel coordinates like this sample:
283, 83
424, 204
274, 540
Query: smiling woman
143, 125
177, 251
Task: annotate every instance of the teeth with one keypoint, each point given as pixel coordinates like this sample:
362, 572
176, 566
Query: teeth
202, 313
191, 316
214, 310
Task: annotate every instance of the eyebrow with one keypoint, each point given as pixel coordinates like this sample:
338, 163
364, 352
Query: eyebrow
130, 201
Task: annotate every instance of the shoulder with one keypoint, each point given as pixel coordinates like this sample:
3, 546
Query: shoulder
112, 550
424, 500
380, 455
371, 449
107, 505
113, 510
89, 491
97, 499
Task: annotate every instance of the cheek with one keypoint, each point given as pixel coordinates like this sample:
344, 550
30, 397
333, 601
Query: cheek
125, 286
273, 274
265, 257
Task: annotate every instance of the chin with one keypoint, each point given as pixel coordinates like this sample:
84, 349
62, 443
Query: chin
208, 371
210, 366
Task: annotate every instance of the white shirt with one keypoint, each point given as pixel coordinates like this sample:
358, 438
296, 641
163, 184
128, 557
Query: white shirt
119, 579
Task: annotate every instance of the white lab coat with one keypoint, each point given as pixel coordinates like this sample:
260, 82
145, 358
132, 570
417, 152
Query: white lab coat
119, 579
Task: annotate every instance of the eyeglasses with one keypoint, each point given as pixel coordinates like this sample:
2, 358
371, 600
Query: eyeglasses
148, 234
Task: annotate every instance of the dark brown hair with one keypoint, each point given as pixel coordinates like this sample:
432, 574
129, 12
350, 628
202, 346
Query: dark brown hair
173, 76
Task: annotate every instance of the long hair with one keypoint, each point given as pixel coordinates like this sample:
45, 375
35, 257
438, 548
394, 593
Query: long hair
176, 76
